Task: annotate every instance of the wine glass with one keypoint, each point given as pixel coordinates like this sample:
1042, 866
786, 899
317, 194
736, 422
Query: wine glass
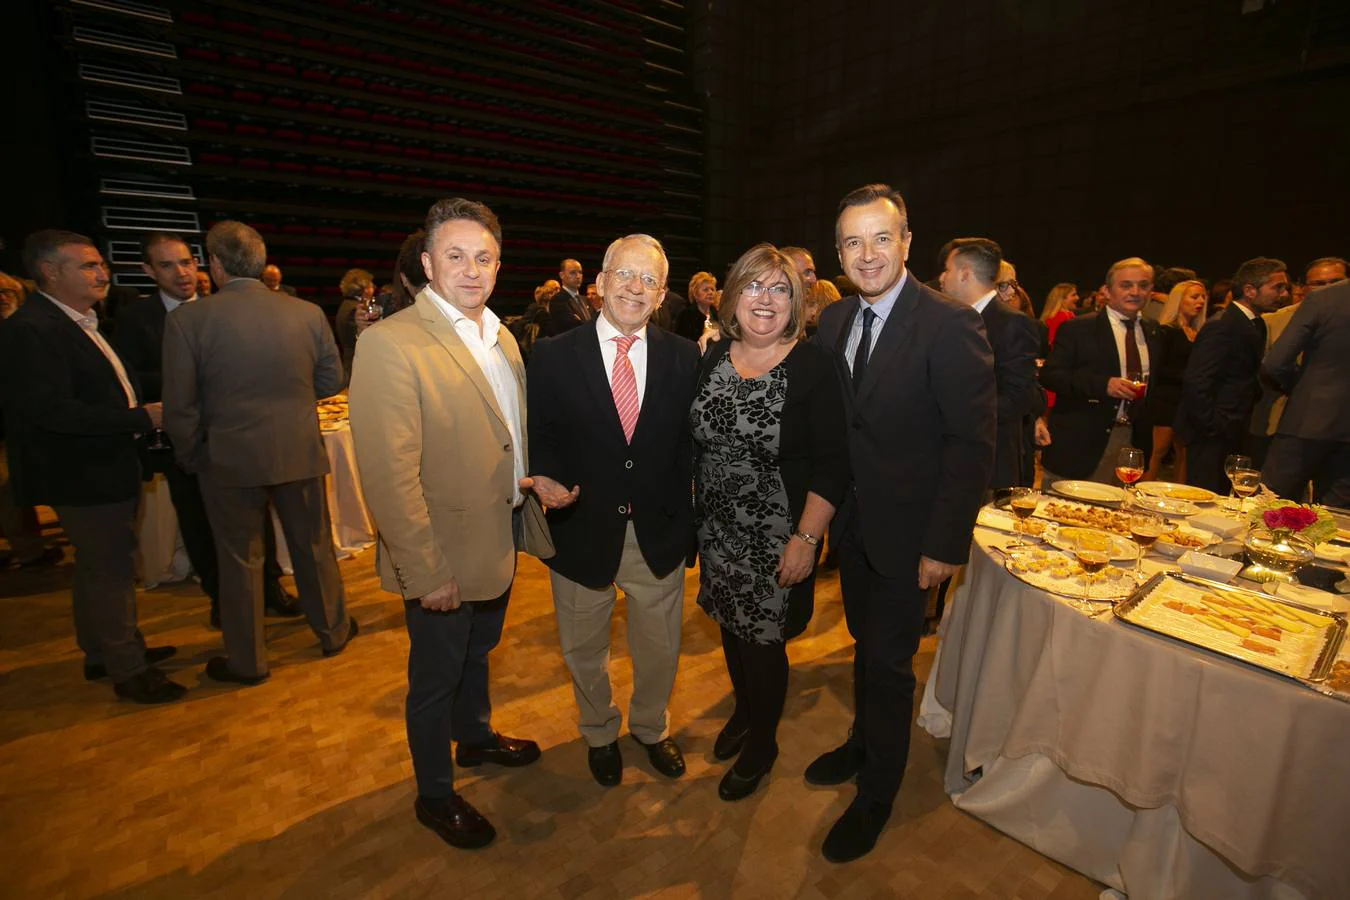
1232, 464
1093, 560
1022, 501
1145, 529
1246, 482
1129, 466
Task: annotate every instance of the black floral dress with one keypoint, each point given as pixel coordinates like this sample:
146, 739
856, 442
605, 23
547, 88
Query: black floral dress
744, 516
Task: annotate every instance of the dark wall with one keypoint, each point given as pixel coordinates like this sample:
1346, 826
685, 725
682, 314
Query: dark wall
1074, 132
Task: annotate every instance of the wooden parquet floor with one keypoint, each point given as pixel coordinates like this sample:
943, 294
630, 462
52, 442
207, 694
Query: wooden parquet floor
302, 787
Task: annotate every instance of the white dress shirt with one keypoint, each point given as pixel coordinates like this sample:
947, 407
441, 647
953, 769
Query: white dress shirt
1251, 316
88, 322
172, 303
981, 303
637, 354
491, 359
881, 308
1118, 330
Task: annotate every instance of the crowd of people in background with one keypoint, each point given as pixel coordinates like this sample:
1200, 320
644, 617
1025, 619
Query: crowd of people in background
731, 426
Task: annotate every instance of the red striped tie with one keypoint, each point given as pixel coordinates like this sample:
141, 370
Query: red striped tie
623, 383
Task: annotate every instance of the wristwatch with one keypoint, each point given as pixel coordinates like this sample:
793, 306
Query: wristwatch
806, 538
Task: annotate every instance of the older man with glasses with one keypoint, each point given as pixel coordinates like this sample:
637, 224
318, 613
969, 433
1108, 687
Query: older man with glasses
609, 435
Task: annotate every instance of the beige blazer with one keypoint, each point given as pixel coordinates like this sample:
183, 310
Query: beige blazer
242, 369
435, 457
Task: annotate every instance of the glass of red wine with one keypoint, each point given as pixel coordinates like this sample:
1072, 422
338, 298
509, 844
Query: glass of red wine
1129, 467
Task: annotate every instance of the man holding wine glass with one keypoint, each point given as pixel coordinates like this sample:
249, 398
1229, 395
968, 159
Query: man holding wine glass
1098, 369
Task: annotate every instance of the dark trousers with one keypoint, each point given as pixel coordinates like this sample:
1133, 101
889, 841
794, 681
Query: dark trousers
1204, 462
448, 686
885, 617
759, 674
200, 543
104, 591
238, 516
1295, 461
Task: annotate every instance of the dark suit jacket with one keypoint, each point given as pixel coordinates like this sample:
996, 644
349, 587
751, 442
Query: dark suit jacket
1082, 361
1319, 389
70, 436
921, 428
140, 343
1220, 386
564, 314
576, 439
242, 369
1016, 341
344, 326
690, 320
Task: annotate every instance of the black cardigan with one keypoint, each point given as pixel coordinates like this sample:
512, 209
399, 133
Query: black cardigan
812, 448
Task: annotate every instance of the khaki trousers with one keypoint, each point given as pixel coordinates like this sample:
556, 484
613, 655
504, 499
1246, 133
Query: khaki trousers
655, 614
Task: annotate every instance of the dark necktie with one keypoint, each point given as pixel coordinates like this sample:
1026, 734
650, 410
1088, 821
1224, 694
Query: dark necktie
1260, 325
1134, 367
864, 348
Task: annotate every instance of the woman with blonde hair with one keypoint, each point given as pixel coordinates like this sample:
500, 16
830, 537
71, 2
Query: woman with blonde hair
1061, 304
772, 465
819, 297
701, 313
1181, 319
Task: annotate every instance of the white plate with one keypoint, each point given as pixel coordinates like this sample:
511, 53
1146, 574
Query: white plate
1090, 491
1173, 491
1121, 548
1165, 505
1168, 549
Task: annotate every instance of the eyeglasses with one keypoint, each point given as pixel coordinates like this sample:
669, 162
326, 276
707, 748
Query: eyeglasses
779, 291
624, 276
1323, 282
1004, 286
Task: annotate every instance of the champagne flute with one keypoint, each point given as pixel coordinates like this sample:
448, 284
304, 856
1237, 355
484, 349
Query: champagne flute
1233, 463
1129, 467
1093, 560
1022, 502
1145, 530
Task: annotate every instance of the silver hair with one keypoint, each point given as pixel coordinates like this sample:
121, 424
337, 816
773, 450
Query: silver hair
647, 241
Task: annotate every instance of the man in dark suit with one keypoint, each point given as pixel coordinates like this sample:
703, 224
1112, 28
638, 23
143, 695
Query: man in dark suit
1312, 441
921, 406
271, 276
72, 415
970, 271
242, 370
1220, 387
167, 259
609, 416
568, 308
1093, 369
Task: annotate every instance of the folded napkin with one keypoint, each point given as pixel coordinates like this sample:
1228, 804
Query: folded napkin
1224, 526
1308, 596
1215, 568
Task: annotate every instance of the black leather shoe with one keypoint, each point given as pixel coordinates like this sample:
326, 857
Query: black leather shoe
606, 764
150, 686
665, 756
218, 669
835, 766
857, 830
735, 786
282, 606
153, 656
50, 556
352, 632
458, 823
729, 743
507, 751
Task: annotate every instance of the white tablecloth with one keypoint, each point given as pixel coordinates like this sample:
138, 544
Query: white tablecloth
160, 554
1151, 766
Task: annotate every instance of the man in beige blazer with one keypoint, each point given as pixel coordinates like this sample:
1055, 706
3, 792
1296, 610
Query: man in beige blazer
242, 369
438, 417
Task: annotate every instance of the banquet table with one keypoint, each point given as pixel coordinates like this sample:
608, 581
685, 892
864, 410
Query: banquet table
1157, 768
160, 553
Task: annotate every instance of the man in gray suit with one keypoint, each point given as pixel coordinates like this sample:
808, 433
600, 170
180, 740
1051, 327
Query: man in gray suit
242, 369
1312, 441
